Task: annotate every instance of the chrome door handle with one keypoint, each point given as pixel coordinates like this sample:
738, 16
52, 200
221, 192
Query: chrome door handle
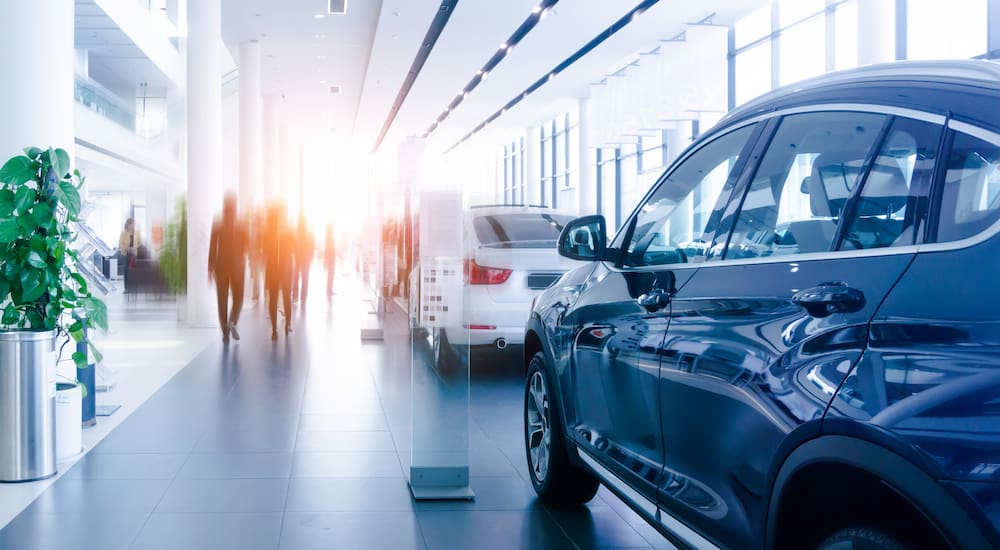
654, 299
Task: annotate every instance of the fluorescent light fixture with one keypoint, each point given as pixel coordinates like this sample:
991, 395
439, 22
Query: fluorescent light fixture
503, 45
319, 16
536, 9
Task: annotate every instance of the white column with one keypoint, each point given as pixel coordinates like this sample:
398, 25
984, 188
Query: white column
272, 152
204, 135
876, 34
250, 124
587, 190
677, 140
285, 166
36, 99
532, 168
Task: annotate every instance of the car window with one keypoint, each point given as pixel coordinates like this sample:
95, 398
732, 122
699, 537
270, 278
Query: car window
673, 225
886, 211
802, 184
519, 230
970, 198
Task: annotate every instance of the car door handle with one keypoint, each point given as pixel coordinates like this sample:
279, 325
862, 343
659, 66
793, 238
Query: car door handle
654, 299
828, 298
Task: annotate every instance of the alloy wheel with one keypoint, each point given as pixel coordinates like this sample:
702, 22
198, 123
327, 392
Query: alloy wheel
539, 434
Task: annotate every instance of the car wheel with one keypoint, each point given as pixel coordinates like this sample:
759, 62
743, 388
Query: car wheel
862, 538
556, 480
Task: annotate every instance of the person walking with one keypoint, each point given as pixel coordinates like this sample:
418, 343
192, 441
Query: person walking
279, 246
305, 249
128, 245
227, 257
329, 260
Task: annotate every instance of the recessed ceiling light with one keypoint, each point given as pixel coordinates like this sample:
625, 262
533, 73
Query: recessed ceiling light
536, 9
320, 36
503, 45
319, 16
322, 82
321, 57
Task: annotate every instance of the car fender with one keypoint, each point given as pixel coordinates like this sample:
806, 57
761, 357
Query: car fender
954, 515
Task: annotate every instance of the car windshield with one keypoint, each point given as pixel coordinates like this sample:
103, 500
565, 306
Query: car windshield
520, 230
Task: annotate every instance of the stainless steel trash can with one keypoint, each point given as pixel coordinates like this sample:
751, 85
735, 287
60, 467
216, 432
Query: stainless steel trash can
27, 405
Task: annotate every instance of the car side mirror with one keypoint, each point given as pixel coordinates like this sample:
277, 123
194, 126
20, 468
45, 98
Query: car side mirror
584, 239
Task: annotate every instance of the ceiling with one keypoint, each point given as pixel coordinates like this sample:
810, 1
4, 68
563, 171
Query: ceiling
369, 51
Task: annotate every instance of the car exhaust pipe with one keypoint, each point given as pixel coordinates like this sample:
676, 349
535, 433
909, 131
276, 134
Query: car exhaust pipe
501, 343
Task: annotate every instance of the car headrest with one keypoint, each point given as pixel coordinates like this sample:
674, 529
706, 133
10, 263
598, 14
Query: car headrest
885, 189
830, 183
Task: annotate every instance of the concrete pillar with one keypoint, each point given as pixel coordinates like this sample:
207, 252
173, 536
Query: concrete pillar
677, 140
36, 99
271, 179
876, 37
251, 163
532, 166
587, 195
204, 136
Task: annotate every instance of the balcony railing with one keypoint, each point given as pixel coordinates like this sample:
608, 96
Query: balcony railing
97, 98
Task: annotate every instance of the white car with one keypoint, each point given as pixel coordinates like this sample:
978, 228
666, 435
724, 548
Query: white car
510, 258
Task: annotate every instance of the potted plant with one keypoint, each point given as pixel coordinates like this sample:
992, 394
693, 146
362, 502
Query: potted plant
43, 297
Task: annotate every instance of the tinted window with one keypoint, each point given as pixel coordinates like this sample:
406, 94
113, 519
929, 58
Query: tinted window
525, 230
677, 219
970, 200
804, 180
886, 213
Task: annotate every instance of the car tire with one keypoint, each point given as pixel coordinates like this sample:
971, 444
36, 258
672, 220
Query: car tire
556, 480
861, 538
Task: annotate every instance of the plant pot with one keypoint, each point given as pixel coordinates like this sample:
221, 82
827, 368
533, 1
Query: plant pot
69, 420
27, 405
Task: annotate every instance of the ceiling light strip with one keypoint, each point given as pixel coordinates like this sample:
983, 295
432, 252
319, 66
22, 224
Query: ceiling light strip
562, 66
426, 46
537, 14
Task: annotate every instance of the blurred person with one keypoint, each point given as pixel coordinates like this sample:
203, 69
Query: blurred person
227, 257
305, 249
329, 259
279, 253
128, 245
255, 251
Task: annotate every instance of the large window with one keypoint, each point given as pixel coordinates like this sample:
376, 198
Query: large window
970, 201
510, 171
937, 29
802, 48
560, 147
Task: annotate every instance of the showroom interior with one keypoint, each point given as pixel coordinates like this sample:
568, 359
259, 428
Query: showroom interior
392, 179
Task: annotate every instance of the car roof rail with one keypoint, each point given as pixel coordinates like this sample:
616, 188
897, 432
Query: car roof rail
966, 69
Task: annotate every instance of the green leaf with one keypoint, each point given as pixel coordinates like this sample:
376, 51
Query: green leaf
61, 163
42, 213
35, 319
10, 315
80, 359
24, 199
4, 289
17, 170
69, 197
32, 152
80, 281
36, 259
9, 232
97, 312
27, 224
98, 356
31, 286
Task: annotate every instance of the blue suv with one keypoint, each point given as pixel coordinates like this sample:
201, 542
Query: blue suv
794, 339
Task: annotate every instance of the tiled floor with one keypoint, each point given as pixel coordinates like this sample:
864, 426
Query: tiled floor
305, 444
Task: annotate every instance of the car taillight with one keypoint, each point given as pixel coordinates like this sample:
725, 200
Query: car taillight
476, 274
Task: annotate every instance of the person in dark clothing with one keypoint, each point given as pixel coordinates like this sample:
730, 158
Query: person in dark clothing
304, 251
227, 256
279, 251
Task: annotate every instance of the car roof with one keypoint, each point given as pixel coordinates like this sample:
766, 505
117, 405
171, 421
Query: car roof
943, 87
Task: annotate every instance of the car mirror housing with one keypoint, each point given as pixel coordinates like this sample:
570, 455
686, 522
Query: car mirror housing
584, 239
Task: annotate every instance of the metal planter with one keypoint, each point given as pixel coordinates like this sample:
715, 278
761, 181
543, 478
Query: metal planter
27, 405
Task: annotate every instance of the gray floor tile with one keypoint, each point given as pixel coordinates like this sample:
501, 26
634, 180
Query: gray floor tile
247, 440
210, 532
492, 530
224, 496
353, 422
313, 441
79, 531
348, 495
492, 493
350, 531
127, 466
237, 465
598, 527
108, 496
347, 465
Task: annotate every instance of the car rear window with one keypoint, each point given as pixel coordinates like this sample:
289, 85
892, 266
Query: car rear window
526, 230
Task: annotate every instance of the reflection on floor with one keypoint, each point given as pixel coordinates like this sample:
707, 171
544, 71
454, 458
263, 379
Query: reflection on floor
144, 347
305, 444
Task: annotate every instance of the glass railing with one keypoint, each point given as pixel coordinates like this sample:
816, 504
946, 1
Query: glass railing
97, 98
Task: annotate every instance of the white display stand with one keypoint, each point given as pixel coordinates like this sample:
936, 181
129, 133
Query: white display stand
439, 466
